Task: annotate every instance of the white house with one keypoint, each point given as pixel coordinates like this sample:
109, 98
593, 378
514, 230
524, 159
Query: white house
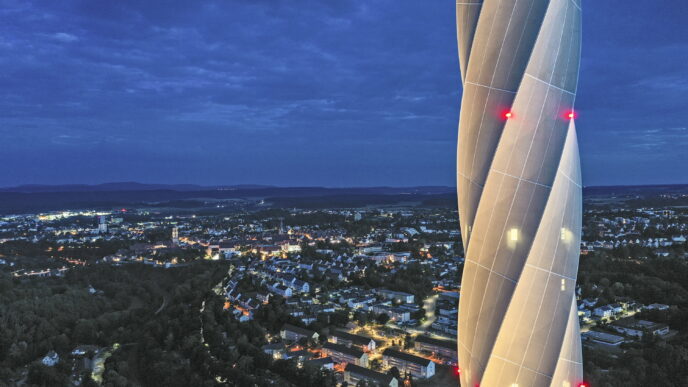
51, 359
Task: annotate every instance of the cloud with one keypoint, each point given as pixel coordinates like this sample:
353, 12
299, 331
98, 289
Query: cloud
65, 37
347, 92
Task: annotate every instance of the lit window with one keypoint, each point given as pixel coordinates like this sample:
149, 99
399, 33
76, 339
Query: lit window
513, 234
564, 233
563, 284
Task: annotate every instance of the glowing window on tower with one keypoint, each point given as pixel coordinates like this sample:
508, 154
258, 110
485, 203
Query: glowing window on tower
563, 284
513, 235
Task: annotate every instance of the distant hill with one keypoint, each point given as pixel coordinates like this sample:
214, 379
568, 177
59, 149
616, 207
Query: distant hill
121, 186
47, 198
34, 198
621, 190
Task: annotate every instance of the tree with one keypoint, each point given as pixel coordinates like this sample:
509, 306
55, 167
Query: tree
85, 332
42, 375
339, 318
408, 341
375, 364
87, 381
419, 314
382, 319
361, 318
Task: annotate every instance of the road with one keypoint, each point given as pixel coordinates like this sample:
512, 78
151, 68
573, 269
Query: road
430, 316
218, 290
429, 304
99, 362
162, 305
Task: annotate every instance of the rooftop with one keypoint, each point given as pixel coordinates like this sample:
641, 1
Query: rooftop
366, 373
406, 356
631, 323
299, 330
356, 339
452, 345
343, 349
604, 337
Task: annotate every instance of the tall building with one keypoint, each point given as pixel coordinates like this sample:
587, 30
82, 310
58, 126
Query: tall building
102, 224
519, 191
175, 235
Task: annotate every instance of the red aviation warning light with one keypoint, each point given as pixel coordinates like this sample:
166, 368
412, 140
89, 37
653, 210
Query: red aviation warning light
572, 115
583, 384
507, 114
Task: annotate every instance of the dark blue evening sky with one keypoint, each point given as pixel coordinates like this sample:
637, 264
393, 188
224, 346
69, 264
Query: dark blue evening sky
305, 92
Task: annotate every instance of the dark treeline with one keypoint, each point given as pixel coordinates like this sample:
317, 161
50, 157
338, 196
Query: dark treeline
152, 322
152, 315
19, 202
651, 361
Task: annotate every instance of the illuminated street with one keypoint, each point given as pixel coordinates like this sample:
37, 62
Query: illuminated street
429, 306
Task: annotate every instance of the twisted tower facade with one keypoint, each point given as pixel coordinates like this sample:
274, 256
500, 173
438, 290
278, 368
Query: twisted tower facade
519, 190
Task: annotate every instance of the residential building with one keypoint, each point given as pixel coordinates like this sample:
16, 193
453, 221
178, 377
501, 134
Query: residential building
408, 364
445, 349
605, 311
50, 359
401, 297
276, 350
603, 338
354, 374
323, 362
294, 333
632, 327
343, 354
363, 343
394, 313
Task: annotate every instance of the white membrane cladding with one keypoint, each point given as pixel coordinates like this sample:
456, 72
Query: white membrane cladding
519, 192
